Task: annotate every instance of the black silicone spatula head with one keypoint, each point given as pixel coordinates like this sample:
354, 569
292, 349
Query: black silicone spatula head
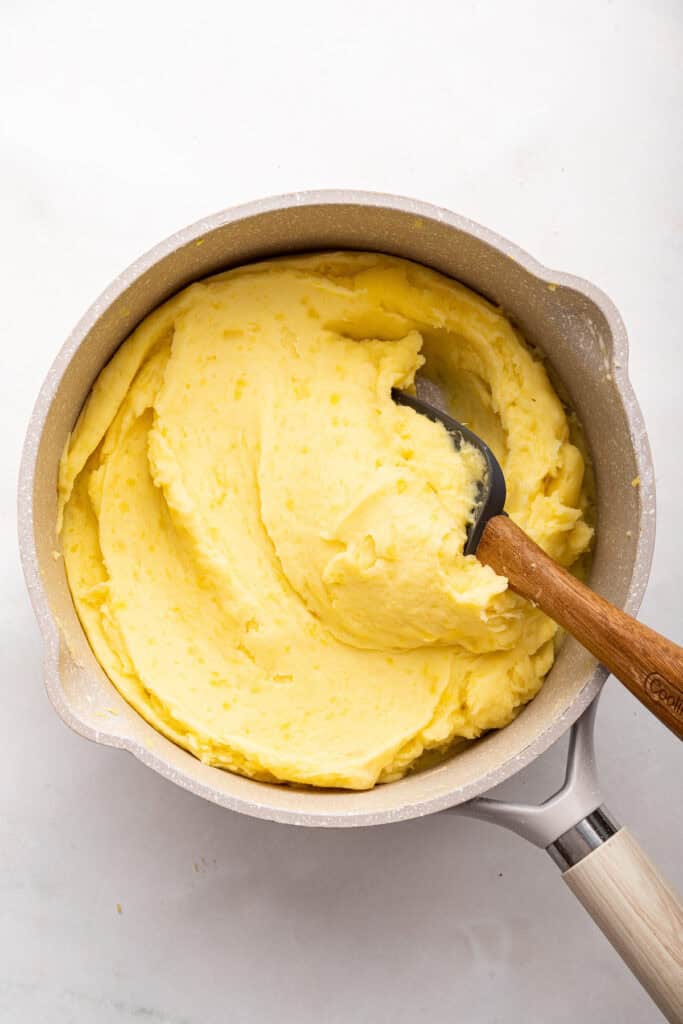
490, 498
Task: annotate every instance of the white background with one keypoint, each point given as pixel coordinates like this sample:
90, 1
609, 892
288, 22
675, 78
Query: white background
556, 124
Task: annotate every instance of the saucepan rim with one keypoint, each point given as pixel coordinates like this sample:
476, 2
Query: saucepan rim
259, 804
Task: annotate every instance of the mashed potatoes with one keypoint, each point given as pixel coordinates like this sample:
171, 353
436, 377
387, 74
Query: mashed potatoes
265, 551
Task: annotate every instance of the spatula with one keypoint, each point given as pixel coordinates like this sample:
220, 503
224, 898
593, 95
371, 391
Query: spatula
648, 664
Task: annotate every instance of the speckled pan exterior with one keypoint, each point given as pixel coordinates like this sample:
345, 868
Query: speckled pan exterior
573, 323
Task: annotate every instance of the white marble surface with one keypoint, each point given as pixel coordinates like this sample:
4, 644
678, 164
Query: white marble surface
557, 125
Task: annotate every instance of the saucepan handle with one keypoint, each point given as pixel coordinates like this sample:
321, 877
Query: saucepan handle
603, 865
638, 912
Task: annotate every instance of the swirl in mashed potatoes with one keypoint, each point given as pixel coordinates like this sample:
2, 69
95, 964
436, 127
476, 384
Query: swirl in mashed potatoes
265, 551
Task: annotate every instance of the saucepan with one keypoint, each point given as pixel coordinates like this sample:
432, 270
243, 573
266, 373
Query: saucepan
581, 335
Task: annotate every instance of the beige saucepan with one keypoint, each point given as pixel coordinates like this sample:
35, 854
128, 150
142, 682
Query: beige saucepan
584, 341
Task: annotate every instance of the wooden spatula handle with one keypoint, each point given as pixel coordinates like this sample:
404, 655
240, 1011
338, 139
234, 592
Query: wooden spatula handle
648, 664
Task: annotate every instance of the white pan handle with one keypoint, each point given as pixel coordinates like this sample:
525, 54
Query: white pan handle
638, 912
605, 868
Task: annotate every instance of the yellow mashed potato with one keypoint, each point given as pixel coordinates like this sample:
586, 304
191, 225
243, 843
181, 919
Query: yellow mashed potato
265, 551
